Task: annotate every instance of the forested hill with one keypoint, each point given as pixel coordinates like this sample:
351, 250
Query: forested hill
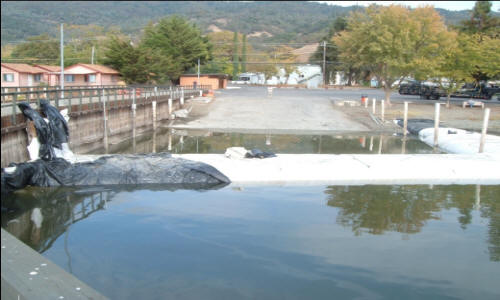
301, 22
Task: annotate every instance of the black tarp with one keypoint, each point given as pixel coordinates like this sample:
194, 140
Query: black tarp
415, 125
57, 123
257, 153
43, 130
155, 168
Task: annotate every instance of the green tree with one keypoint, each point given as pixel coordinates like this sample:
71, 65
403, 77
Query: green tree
456, 66
485, 28
235, 56
176, 40
42, 47
332, 52
129, 61
481, 21
244, 54
393, 42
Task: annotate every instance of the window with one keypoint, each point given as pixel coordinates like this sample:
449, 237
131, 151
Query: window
69, 78
38, 77
89, 78
8, 77
114, 78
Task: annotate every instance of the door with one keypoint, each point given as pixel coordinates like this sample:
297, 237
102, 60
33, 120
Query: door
30, 79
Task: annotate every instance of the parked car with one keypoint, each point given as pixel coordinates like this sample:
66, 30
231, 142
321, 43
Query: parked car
410, 88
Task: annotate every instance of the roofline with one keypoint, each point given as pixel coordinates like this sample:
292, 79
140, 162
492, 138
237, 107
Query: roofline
13, 69
208, 74
43, 67
93, 69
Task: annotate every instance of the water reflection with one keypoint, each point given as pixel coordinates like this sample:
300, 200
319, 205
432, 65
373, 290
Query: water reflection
406, 209
38, 216
260, 242
182, 141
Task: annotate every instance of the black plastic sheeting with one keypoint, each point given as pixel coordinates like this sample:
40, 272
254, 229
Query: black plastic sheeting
43, 131
257, 153
415, 125
155, 168
57, 123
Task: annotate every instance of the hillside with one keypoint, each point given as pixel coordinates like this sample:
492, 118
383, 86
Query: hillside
290, 22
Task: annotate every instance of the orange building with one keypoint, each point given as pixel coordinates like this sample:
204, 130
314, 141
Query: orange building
216, 81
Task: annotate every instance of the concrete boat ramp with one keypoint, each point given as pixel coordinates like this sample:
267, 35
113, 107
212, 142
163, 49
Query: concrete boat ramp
356, 169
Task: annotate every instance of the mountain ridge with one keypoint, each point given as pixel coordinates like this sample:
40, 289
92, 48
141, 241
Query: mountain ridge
284, 22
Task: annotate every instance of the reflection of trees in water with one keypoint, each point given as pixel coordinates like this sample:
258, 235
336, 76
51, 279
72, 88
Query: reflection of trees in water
406, 209
490, 208
382, 208
58, 207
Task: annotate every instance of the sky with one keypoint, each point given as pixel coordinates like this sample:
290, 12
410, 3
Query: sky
449, 5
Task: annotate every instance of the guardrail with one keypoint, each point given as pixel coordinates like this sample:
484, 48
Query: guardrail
6, 89
90, 98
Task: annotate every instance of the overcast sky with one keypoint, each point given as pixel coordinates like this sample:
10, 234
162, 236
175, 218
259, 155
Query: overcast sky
450, 5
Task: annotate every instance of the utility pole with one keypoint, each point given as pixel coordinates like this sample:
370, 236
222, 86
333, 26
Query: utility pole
62, 60
324, 64
198, 71
92, 61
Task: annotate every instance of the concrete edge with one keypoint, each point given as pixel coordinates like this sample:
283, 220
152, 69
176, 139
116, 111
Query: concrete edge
25, 274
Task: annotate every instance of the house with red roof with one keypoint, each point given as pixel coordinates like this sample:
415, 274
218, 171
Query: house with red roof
23, 75
51, 75
15, 75
91, 75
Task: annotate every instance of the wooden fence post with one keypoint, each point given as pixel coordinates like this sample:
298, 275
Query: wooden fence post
154, 114
436, 124
485, 128
382, 112
105, 117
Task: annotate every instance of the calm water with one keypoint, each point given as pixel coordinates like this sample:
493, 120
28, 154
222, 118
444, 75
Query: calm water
273, 242
182, 141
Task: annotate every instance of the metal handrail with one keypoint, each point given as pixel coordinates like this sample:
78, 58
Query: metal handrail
93, 98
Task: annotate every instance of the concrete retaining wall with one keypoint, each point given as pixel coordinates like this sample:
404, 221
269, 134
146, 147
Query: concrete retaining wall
87, 127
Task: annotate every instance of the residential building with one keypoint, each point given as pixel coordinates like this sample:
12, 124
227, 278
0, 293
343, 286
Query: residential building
52, 74
216, 81
24, 75
90, 75
15, 75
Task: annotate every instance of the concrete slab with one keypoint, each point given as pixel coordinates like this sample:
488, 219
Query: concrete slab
347, 169
28, 275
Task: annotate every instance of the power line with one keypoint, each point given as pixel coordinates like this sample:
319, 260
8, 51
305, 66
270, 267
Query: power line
271, 54
51, 40
273, 44
275, 63
42, 59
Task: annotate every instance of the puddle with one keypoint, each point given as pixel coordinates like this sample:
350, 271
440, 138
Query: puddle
183, 141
